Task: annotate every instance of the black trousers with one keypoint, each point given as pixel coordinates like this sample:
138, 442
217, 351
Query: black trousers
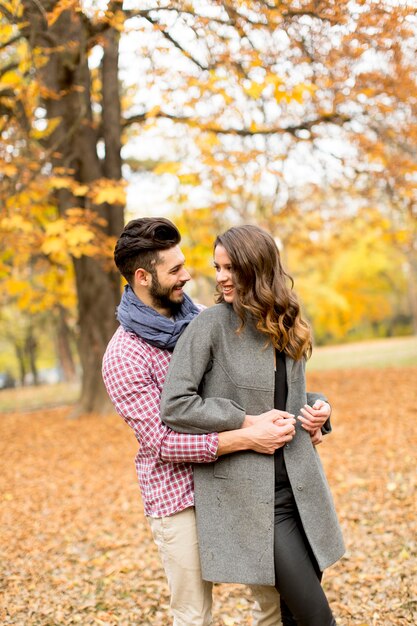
298, 578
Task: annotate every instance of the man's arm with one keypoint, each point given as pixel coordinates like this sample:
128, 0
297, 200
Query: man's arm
136, 398
264, 436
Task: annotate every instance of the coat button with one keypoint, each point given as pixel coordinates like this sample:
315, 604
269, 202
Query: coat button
299, 487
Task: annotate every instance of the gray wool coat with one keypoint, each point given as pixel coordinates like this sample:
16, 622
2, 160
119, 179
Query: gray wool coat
215, 377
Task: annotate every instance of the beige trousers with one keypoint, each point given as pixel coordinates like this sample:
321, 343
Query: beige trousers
191, 596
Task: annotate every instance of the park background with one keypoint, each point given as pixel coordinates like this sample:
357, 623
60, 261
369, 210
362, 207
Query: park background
299, 116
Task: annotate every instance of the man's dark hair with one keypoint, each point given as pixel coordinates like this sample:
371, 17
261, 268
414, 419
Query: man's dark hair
140, 243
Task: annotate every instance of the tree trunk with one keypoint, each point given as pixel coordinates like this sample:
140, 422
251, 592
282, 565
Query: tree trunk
98, 294
63, 349
412, 286
31, 346
20, 355
73, 145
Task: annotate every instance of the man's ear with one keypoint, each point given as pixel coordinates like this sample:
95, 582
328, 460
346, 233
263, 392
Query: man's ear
142, 277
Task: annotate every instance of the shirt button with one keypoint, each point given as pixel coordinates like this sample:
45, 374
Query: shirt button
299, 487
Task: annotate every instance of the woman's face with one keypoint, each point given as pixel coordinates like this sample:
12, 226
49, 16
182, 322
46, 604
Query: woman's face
224, 274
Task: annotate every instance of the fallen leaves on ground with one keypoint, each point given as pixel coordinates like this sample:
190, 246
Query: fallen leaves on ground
76, 548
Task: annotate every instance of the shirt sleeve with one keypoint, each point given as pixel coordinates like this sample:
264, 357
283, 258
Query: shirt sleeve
136, 398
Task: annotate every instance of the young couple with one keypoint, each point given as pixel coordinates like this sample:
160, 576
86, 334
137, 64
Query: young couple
231, 481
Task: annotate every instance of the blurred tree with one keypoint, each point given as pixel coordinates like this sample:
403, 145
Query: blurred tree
260, 96
20, 332
314, 93
351, 281
52, 116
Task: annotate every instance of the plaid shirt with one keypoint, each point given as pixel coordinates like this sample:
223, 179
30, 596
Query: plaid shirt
134, 372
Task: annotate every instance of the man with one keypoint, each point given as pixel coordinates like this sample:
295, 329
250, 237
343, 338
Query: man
153, 312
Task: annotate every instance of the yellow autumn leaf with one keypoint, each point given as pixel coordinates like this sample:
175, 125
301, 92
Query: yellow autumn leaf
300, 91
8, 169
6, 32
79, 234
15, 222
59, 8
39, 57
54, 229
255, 90
52, 245
189, 179
402, 236
15, 7
273, 79
52, 124
116, 19
281, 95
209, 139
11, 79
170, 167
15, 287
213, 77
153, 112
404, 555
112, 195
80, 190
60, 182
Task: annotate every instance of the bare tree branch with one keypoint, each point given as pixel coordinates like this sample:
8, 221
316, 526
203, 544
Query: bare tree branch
177, 44
331, 118
8, 68
10, 17
41, 9
290, 13
130, 13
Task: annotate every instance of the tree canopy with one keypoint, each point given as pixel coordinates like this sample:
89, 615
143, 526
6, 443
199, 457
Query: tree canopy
298, 115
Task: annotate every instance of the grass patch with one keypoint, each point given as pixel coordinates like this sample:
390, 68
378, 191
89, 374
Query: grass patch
33, 398
376, 353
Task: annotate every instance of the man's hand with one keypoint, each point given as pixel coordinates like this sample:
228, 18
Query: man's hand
273, 414
271, 432
313, 418
262, 433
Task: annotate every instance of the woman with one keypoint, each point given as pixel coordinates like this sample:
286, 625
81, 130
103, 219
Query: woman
261, 519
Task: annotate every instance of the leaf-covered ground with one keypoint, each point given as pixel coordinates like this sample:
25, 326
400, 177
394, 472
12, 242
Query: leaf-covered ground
76, 549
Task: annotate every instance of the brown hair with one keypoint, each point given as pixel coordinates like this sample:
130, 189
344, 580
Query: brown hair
263, 291
140, 243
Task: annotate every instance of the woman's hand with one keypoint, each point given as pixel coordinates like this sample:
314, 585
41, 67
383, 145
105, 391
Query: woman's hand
316, 437
313, 417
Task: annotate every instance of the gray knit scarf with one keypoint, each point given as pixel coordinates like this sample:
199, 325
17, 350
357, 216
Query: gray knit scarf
146, 322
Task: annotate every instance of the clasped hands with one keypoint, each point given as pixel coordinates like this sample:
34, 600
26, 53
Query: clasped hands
273, 429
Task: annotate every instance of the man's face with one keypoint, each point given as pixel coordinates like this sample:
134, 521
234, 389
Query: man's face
168, 279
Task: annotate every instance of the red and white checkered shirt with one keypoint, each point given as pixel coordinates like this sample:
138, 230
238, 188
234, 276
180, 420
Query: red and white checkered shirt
134, 372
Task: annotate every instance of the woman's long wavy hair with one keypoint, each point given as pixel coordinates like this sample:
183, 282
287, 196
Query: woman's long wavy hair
264, 290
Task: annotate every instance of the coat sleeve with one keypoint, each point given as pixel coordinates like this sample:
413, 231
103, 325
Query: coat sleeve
182, 407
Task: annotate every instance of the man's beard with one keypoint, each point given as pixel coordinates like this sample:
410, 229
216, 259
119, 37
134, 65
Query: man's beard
161, 296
